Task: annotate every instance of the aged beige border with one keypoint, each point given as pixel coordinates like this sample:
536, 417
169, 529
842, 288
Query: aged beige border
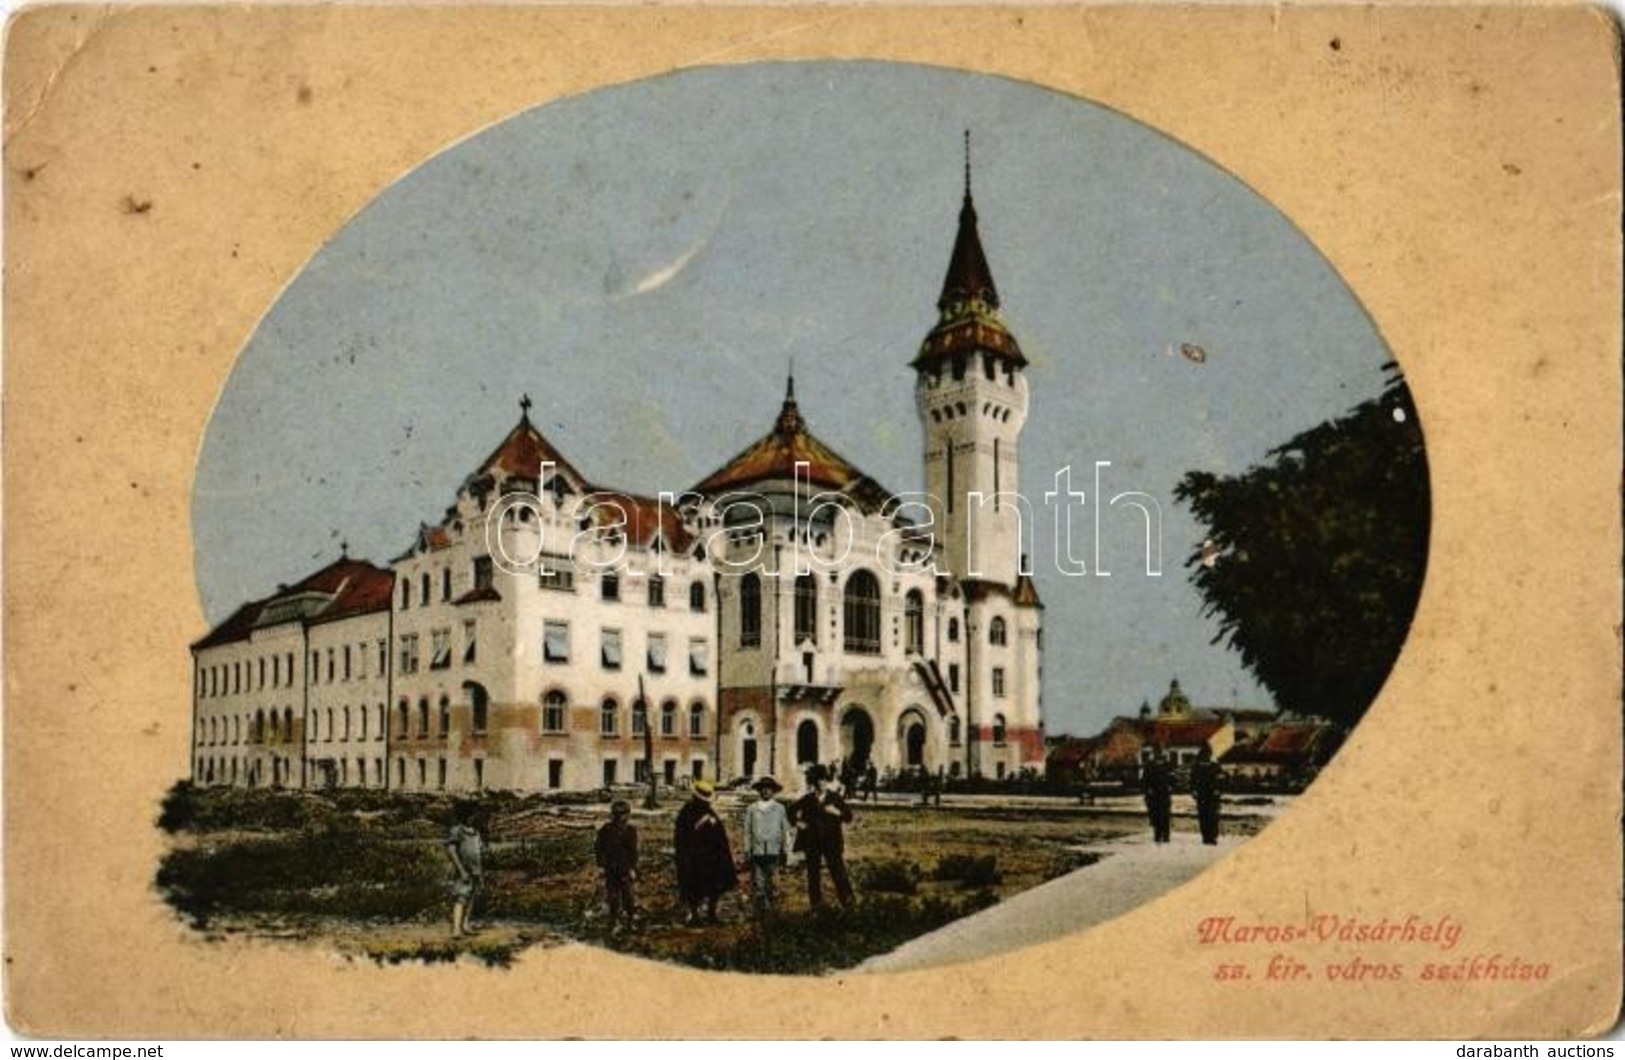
1459, 166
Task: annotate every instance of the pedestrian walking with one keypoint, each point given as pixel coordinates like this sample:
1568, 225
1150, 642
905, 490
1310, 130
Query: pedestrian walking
465, 846
1206, 779
1157, 779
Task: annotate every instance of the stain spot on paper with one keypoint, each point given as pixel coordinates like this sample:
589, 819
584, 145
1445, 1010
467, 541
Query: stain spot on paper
133, 205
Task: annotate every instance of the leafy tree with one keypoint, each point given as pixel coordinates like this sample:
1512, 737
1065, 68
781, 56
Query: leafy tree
1315, 557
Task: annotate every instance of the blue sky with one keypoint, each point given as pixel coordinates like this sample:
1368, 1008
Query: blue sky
645, 261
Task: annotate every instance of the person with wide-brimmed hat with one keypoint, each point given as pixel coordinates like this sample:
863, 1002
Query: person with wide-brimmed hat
705, 861
767, 841
820, 817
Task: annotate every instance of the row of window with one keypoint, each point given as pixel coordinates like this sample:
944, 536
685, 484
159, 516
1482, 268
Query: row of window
556, 649
330, 723
482, 577
860, 612
339, 663
440, 648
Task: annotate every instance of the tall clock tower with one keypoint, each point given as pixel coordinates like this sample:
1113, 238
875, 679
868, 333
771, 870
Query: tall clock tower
971, 393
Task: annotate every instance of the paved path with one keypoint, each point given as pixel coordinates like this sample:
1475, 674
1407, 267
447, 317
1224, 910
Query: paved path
1134, 871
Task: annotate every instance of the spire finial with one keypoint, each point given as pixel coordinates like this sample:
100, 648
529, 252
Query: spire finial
967, 165
524, 406
790, 381
344, 548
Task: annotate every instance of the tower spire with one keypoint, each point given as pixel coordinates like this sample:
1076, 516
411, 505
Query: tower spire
967, 165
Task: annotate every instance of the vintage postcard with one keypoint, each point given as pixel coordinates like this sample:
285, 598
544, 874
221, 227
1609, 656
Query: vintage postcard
984, 521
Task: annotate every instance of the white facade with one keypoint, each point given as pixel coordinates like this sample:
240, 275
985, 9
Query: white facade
524, 640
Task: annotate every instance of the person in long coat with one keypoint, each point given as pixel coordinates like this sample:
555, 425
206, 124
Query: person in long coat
1205, 781
705, 861
819, 818
1158, 781
615, 849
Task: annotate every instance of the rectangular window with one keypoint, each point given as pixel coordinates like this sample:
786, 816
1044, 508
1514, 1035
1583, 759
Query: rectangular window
383, 657
556, 642
699, 657
440, 648
332, 668
998, 681
611, 653
668, 720
470, 642
608, 718
657, 591
640, 771
346, 662
953, 677
479, 774
440, 773
669, 768
555, 773
609, 772
611, 587
557, 574
315, 667
423, 773
262, 671
657, 653
482, 572
640, 719
360, 659
696, 722
409, 653
553, 714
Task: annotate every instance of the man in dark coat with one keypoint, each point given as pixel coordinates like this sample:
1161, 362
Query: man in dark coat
1205, 778
616, 851
1158, 781
705, 861
819, 818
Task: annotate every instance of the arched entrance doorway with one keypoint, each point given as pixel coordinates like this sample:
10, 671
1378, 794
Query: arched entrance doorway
857, 738
747, 748
911, 736
806, 742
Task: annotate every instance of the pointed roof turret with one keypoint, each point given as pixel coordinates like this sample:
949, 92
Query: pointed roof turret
775, 455
969, 304
968, 278
524, 451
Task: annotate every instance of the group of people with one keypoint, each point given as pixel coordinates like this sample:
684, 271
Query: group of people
1157, 781
813, 826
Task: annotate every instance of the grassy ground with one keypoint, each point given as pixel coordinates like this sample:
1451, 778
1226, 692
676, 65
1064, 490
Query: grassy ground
365, 872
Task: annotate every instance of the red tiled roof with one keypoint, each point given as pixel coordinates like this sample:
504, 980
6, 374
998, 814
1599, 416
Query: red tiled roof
966, 335
355, 587
1283, 744
776, 454
522, 454
645, 518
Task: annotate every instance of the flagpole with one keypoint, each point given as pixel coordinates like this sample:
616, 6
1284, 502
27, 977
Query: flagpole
651, 800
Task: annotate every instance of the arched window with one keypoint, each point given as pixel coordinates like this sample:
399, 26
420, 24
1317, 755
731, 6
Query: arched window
953, 728
274, 727
405, 712
640, 717
996, 632
696, 720
914, 621
259, 727
361, 712
423, 717
696, 595
406, 593
445, 716
329, 724
998, 728
806, 609
346, 723
553, 711
479, 706
423, 593
750, 611
862, 614
668, 718
807, 742
953, 630
445, 583
609, 718
380, 721
287, 723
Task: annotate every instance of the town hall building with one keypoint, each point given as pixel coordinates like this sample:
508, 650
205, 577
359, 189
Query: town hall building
549, 633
